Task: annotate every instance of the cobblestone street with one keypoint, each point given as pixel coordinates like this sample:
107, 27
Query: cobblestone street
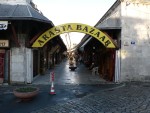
132, 98
79, 92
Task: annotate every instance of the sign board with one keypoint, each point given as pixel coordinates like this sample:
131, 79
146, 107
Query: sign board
74, 27
4, 43
3, 25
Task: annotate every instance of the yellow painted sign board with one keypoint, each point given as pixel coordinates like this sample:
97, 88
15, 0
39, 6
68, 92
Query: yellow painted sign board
74, 27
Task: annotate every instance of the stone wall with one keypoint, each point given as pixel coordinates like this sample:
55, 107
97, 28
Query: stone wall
21, 63
18, 65
135, 40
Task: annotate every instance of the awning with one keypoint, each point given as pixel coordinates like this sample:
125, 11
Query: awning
21, 12
82, 47
55, 49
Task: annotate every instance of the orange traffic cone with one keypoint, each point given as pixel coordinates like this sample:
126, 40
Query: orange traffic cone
52, 90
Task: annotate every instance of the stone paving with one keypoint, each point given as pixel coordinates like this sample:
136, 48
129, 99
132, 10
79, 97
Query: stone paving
85, 93
64, 93
64, 76
132, 98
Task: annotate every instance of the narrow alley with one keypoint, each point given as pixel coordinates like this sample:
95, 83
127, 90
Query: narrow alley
64, 76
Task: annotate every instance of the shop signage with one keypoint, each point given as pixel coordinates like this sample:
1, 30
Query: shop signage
4, 43
3, 25
74, 27
133, 42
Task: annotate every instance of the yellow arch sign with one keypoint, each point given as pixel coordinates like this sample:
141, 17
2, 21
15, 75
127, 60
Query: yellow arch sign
74, 27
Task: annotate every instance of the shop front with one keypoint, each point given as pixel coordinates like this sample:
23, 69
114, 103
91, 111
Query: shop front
4, 52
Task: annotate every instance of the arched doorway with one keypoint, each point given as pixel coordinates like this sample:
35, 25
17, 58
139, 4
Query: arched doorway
103, 38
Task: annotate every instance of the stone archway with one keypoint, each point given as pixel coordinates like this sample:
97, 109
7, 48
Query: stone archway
74, 27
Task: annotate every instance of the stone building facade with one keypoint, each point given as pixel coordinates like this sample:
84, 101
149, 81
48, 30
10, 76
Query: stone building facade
19, 62
127, 22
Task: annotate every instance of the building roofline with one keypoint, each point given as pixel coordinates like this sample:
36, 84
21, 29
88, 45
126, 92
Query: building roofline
109, 11
21, 12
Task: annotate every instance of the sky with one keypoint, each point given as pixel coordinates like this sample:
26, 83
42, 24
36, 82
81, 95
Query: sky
74, 11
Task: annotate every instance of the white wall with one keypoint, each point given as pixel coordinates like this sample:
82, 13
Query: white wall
21, 63
29, 66
135, 42
18, 65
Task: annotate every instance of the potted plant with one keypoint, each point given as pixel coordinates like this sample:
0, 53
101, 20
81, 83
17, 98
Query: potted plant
26, 93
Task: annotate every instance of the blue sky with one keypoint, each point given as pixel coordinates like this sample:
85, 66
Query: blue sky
74, 11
